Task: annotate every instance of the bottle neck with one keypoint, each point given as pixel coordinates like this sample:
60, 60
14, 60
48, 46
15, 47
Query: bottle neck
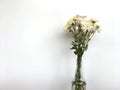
78, 74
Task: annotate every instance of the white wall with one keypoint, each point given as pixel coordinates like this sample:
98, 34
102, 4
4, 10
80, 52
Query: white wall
34, 49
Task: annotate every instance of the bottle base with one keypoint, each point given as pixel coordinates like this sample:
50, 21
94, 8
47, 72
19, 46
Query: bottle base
79, 85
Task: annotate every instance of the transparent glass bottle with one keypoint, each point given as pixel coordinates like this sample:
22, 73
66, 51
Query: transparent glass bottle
78, 83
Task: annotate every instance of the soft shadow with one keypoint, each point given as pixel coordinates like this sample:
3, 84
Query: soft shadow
62, 62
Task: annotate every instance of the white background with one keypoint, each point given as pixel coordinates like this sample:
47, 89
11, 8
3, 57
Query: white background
34, 48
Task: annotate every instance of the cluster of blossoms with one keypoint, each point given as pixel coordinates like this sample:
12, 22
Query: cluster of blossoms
82, 23
82, 29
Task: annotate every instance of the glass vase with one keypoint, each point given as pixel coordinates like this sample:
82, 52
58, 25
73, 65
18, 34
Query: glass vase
78, 83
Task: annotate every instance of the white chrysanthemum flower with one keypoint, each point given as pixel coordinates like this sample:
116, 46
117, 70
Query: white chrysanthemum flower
86, 26
70, 22
97, 26
66, 27
93, 20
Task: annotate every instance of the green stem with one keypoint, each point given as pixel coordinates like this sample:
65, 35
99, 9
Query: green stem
78, 74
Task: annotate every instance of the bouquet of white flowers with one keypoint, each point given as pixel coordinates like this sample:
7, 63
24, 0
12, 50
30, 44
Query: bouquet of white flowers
81, 29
